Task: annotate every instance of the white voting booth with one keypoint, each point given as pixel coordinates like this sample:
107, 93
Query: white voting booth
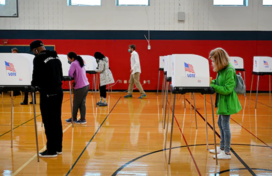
161, 68
16, 75
262, 65
191, 74
65, 71
90, 66
164, 79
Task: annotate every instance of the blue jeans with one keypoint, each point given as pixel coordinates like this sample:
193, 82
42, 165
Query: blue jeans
224, 126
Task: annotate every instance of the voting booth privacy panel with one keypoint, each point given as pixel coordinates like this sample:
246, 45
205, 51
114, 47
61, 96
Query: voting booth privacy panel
237, 62
169, 65
16, 69
262, 64
89, 62
189, 70
161, 65
165, 63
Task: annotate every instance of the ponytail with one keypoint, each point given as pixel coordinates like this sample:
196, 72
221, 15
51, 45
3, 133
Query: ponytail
76, 57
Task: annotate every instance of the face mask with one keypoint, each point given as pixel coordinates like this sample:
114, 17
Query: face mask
69, 62
129, 50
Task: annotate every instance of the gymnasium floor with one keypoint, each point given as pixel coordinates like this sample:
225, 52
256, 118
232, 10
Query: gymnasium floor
127, 138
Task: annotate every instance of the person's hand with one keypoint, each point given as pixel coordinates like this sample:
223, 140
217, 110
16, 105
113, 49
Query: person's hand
131, 71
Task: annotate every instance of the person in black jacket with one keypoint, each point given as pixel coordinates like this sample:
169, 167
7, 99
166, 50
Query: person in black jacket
47, 78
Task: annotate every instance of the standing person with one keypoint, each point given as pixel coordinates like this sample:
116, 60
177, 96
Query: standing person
14, 50
227, 102
47, 77
81, 87
135, 73
105, 76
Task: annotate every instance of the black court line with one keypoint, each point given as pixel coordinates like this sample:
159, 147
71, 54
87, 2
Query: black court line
231, 149
157, 151
92, 138
237, 169
23, 123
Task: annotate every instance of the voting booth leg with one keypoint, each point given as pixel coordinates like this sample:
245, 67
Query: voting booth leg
245, 79
35, 123
257, 91
205, 108
71, 104
12, 115
169, 108
191, 108
95, 90
163, 85
184, 102
269, 90
195, 110
251, 88
215, 147
165, 108
158, 82
172, 126
2, 97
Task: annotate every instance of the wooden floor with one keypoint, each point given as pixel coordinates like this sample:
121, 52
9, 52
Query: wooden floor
127, 138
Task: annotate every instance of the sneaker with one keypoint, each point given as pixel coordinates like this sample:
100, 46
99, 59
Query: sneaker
59, 152
99, 102
23, 103
70, 120
81, 121
128, 96
222, 156
142, 96
47, 154
218, 150
103, 104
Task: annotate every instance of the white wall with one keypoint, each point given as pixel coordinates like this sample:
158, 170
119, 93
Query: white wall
160, 15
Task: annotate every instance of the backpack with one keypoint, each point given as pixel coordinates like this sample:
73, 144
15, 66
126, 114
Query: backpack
240, 84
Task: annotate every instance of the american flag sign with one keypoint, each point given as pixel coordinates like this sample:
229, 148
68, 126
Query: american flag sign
189, 68
10, 66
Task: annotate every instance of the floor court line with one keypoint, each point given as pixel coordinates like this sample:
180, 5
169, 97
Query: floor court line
34, 156
248, 130
24, 123
92, 138
192, 145
185, 140
237, 156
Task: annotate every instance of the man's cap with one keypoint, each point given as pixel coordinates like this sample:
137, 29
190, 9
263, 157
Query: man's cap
36, 44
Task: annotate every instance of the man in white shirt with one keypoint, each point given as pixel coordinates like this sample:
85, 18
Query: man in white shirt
135, 73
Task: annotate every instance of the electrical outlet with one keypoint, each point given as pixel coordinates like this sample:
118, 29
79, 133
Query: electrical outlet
120, 81
144, 81
125, 81
148, 81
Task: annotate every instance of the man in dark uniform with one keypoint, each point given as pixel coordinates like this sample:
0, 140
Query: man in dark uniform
47, 77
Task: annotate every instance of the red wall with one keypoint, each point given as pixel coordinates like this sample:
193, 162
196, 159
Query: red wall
117, 51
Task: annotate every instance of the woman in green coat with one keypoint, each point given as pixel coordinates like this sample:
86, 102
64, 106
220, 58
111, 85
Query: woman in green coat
227, 102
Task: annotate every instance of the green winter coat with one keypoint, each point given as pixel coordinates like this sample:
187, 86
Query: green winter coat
224, 84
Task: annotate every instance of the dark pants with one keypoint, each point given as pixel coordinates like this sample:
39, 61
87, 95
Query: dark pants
103, 92
51, 115
80, 102
26, 98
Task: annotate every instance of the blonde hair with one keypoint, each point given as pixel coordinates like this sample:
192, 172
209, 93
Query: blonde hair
221, 59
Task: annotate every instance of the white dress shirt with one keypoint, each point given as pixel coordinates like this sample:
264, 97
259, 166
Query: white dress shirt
135, 62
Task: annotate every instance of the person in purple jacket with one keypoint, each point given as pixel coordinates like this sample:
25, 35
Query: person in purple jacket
81, 87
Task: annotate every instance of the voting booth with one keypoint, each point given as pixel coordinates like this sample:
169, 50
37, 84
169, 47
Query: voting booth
161, 68
190, 74
91, 66
65, 71
16, 75
262, 65
164, 79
